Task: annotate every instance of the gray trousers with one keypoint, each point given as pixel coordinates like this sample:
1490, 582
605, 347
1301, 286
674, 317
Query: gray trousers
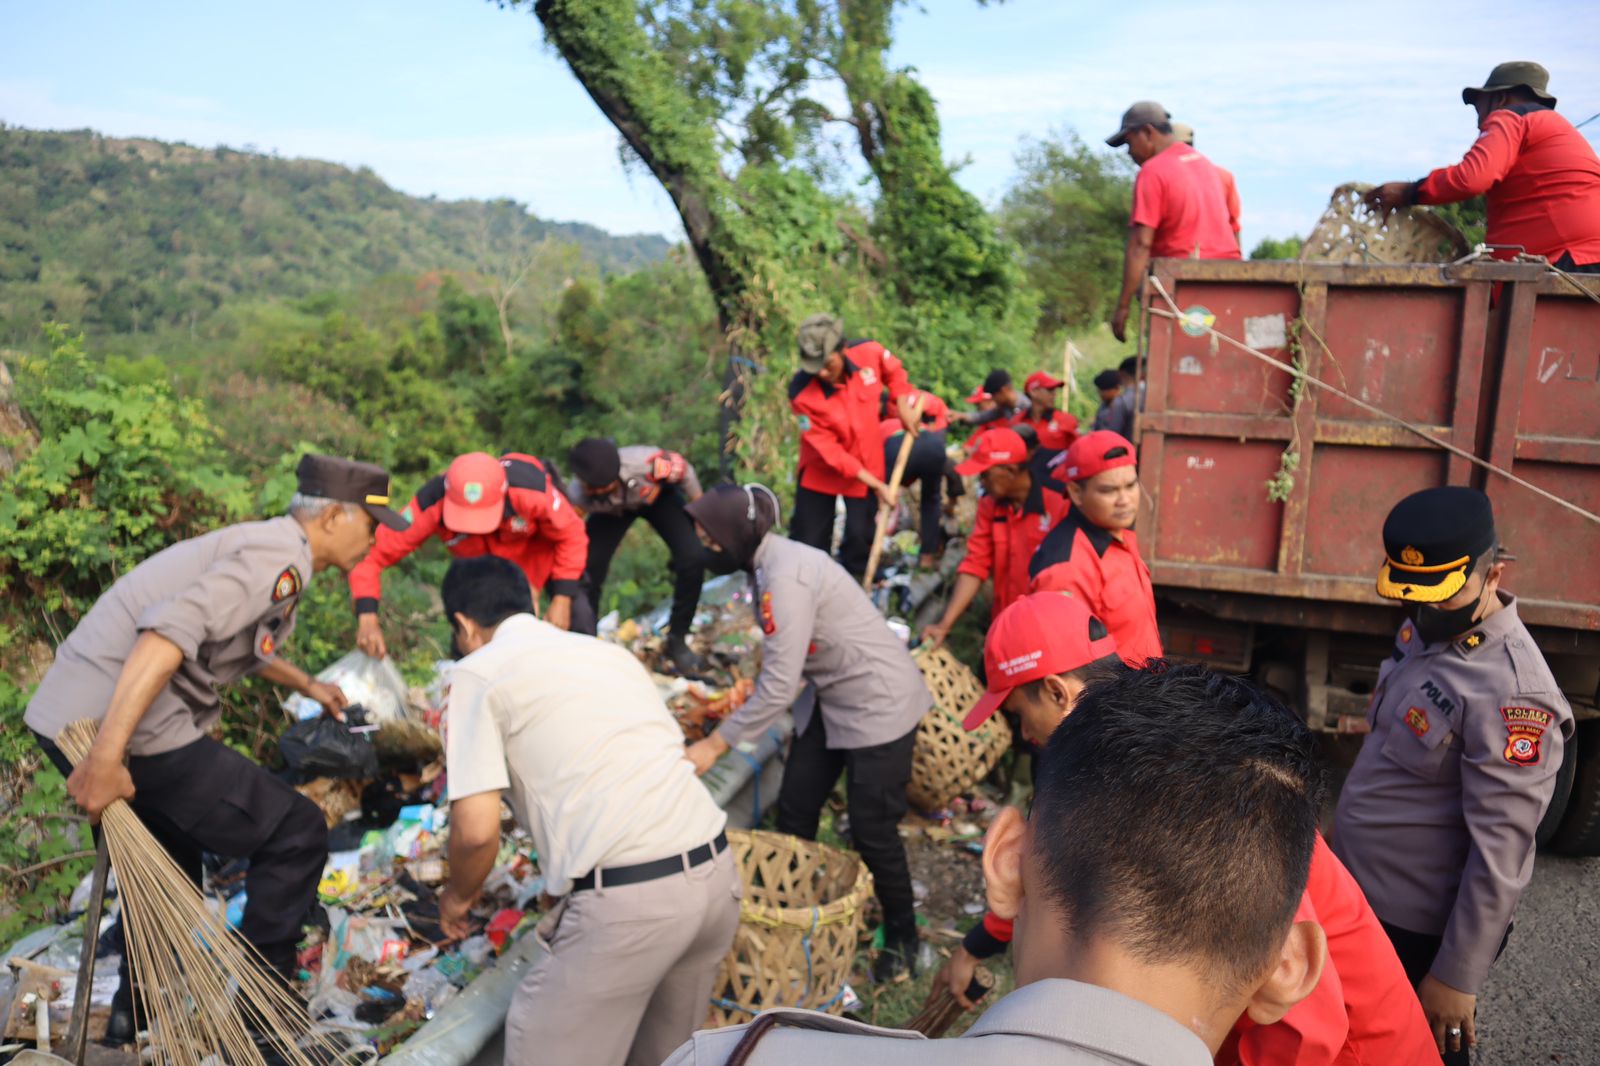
627, 972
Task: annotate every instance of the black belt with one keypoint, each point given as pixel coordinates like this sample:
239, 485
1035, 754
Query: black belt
613, 876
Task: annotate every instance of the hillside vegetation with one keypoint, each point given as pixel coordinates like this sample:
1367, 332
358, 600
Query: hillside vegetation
130, 236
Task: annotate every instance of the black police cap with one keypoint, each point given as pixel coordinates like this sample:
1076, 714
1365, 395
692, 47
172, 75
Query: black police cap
1431, 540
349, 481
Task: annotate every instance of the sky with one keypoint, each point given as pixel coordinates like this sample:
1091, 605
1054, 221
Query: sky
461, 99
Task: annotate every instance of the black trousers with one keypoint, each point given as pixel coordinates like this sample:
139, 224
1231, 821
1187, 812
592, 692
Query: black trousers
673, 524
876, 798
925, 466
204, 797
1417, 952
812, 523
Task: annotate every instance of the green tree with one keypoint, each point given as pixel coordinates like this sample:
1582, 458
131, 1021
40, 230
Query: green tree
1067, 210
1273, 248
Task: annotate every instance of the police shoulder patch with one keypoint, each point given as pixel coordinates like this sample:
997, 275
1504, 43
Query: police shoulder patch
1471, 641
267, 646
287, 584
1525, 728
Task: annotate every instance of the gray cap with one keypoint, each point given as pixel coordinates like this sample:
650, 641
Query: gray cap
1143, 113
819, 335
1518, 73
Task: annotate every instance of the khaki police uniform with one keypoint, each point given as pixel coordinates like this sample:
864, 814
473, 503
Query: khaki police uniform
227, 599
1054, 1022
1438, 816
857, 698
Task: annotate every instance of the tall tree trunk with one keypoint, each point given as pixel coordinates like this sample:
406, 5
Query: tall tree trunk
639, 91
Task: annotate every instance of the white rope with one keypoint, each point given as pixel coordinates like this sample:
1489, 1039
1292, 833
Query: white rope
1289, 368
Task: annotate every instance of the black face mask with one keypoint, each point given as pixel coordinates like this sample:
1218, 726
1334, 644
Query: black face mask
720, 562
1435, 624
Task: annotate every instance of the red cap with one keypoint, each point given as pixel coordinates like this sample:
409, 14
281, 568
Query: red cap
1037, 636
1040, 380
474, 493
979, 396
994, 447
1088, 455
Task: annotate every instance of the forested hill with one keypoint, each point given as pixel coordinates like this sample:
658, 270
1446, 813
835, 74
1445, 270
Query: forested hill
128, 236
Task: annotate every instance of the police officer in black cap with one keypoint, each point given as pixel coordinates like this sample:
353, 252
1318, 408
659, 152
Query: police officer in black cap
1438, 816
145, 663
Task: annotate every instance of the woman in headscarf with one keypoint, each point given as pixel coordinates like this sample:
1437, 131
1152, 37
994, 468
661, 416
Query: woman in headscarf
857, 696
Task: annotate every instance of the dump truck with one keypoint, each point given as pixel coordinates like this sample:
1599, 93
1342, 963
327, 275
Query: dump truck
1266, 493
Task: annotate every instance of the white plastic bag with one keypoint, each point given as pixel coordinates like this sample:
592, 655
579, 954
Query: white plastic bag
375, 684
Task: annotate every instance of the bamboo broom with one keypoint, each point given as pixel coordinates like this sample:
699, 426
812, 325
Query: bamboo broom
207, 992
885, 510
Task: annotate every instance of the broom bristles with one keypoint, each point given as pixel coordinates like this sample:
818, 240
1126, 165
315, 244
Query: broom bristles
204, 987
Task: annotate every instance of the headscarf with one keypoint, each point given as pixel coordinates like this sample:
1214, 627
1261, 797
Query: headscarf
736, 518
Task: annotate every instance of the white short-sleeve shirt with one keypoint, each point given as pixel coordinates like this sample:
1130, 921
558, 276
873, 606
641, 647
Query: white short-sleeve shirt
575, 728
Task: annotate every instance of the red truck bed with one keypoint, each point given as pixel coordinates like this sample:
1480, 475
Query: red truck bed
1517, 384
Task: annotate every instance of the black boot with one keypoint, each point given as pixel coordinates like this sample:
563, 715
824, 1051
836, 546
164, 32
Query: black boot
899, 956
683, 658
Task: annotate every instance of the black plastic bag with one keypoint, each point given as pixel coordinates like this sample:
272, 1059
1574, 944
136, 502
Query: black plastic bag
326, 747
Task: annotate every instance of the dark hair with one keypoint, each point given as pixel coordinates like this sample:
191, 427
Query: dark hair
997, 380
1175, 811
596, 461
485, 588
1129, 366
1108, 379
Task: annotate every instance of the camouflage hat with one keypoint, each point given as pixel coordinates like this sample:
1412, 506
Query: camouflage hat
819, 336
1184, 132
1519, 73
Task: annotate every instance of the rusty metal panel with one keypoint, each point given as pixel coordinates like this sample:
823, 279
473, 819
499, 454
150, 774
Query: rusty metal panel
1214, 502
1395, 349
1352, 489
1211, 378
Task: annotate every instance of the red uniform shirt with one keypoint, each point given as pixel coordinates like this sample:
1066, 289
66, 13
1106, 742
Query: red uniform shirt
1541, 179
1178, 194
935, 412
1005, 537
1056, 431
1230, 197
1362, 1011
839, 423
1108, 575
541, 532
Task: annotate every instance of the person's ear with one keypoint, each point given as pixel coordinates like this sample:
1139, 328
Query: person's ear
1075, 493
1004, 850
1492, 578
1294, 975
1071, 688
467, 632
1061, 696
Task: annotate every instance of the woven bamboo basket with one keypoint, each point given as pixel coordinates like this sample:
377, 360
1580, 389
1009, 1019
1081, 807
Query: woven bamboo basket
1352, 232
948, 760
802, 915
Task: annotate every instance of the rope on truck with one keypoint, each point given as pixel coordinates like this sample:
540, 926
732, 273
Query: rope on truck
1172, 312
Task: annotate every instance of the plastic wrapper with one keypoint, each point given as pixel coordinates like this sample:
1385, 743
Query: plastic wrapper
373, 683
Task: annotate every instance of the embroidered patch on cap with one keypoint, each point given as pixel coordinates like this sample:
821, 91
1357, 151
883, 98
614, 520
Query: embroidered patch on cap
1417, 719
287, 584
472, 491
1525, 728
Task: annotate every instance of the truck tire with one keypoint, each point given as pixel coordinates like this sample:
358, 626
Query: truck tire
1579, 833
1560, 798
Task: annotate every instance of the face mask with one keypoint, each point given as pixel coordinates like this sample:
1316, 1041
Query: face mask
1435, 624
720, 562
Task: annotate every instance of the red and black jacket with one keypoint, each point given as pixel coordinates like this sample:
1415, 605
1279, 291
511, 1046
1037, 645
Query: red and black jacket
839, 423
1107, 575
540, 532
1005, 537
